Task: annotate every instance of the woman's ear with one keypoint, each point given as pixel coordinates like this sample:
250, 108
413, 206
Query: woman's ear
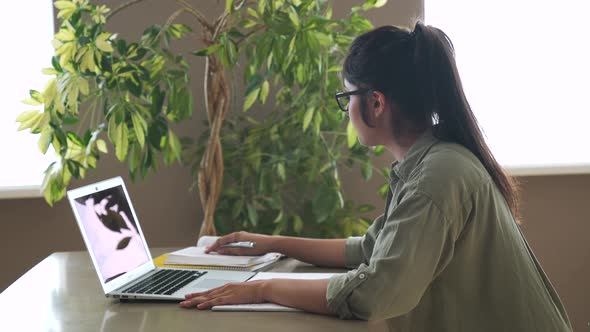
379, 103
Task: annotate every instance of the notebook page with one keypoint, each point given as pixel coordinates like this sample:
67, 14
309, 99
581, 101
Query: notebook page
197, 256
206, 241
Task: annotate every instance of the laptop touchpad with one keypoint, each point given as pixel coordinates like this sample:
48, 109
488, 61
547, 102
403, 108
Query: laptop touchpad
211, 283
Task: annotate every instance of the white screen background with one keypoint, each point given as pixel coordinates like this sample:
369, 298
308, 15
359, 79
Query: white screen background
26, 50
525, 69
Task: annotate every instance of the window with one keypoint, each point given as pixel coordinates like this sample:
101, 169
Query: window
27, 27
525, 67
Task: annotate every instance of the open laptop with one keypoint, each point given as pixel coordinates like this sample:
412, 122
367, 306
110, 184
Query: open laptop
119, 251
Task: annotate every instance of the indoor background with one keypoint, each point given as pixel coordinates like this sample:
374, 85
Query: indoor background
555, 208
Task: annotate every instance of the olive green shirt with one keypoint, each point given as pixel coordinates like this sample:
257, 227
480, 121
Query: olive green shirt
448, 256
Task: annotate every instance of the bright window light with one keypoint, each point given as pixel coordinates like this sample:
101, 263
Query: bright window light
26, 49
525, 67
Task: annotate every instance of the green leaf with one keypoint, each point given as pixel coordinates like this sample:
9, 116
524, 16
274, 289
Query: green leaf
324, 39
26, 116
134, 86
351, 134
70, 120
157, 133
324, 203
374, 4
101, 146
317, 122
378, 150
229, 4
383, 190
367, 169
31, 102
308, 117
365, 208
300, 74
134, 159
293, 16
237, 208
178, 31
281, 171
278, 218
251, 98
261, 6
36, 95
207, 51
175, 145
252, 12
157, 99
291, 50
297, 224
264, 91
139, 127
45, 139
380, 3
121, 141
252, 215
249, 24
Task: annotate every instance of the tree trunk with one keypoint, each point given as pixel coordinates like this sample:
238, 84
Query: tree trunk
210, 177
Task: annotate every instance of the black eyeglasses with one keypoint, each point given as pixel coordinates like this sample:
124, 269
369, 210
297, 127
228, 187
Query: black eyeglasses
343, 98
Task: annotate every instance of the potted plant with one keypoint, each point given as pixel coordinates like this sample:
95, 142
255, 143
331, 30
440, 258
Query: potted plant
284, 167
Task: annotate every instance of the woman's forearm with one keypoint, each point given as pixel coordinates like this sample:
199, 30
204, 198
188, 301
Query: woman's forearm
308, 295
320, 252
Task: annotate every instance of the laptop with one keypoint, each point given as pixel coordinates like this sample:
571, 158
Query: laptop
120, 254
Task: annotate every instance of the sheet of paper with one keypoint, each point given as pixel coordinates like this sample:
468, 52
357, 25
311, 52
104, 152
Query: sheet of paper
253, 307
289, 275
271, 306
206, 241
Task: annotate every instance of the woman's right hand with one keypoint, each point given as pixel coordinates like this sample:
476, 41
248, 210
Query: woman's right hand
263, 244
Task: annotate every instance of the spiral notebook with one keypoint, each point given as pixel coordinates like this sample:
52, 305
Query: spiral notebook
195, 257
160, 261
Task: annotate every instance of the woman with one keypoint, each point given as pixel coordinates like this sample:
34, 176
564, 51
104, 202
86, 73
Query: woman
447, 254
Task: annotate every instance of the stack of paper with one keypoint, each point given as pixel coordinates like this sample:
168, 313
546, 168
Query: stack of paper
197, 256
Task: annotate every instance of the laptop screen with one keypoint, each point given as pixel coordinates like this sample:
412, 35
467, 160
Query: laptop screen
112, 232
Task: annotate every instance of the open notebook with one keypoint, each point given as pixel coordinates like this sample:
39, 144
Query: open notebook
271, 306
196, 256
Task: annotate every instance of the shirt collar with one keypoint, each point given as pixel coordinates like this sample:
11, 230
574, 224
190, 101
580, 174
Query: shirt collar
403, 168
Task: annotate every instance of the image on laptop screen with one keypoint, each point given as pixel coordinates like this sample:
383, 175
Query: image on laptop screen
112, 232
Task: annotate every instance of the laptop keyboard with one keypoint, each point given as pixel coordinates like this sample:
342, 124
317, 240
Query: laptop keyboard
164, 282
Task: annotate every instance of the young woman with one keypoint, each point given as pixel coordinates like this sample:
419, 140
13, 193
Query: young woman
447, 254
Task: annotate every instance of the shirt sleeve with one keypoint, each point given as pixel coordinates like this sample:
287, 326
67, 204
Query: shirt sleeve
358, 249
415, 244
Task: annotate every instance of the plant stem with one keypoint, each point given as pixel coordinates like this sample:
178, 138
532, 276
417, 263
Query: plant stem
169, 21
200, 17
262, 27
331, 132
123, 6
219, 25
326, 146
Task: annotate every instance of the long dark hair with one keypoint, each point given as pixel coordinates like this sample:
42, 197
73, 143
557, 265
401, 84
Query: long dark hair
416, 70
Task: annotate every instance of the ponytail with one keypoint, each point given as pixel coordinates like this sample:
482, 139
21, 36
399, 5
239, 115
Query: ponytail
417, 70
439, 85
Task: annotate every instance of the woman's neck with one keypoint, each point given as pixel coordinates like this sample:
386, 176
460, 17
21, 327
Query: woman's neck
400, 146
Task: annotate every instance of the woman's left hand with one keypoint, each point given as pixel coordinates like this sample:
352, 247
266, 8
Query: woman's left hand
232, 293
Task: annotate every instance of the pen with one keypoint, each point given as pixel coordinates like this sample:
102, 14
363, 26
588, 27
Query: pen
245, 244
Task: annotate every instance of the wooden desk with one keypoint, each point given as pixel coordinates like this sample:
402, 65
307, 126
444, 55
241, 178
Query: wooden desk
62, 293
